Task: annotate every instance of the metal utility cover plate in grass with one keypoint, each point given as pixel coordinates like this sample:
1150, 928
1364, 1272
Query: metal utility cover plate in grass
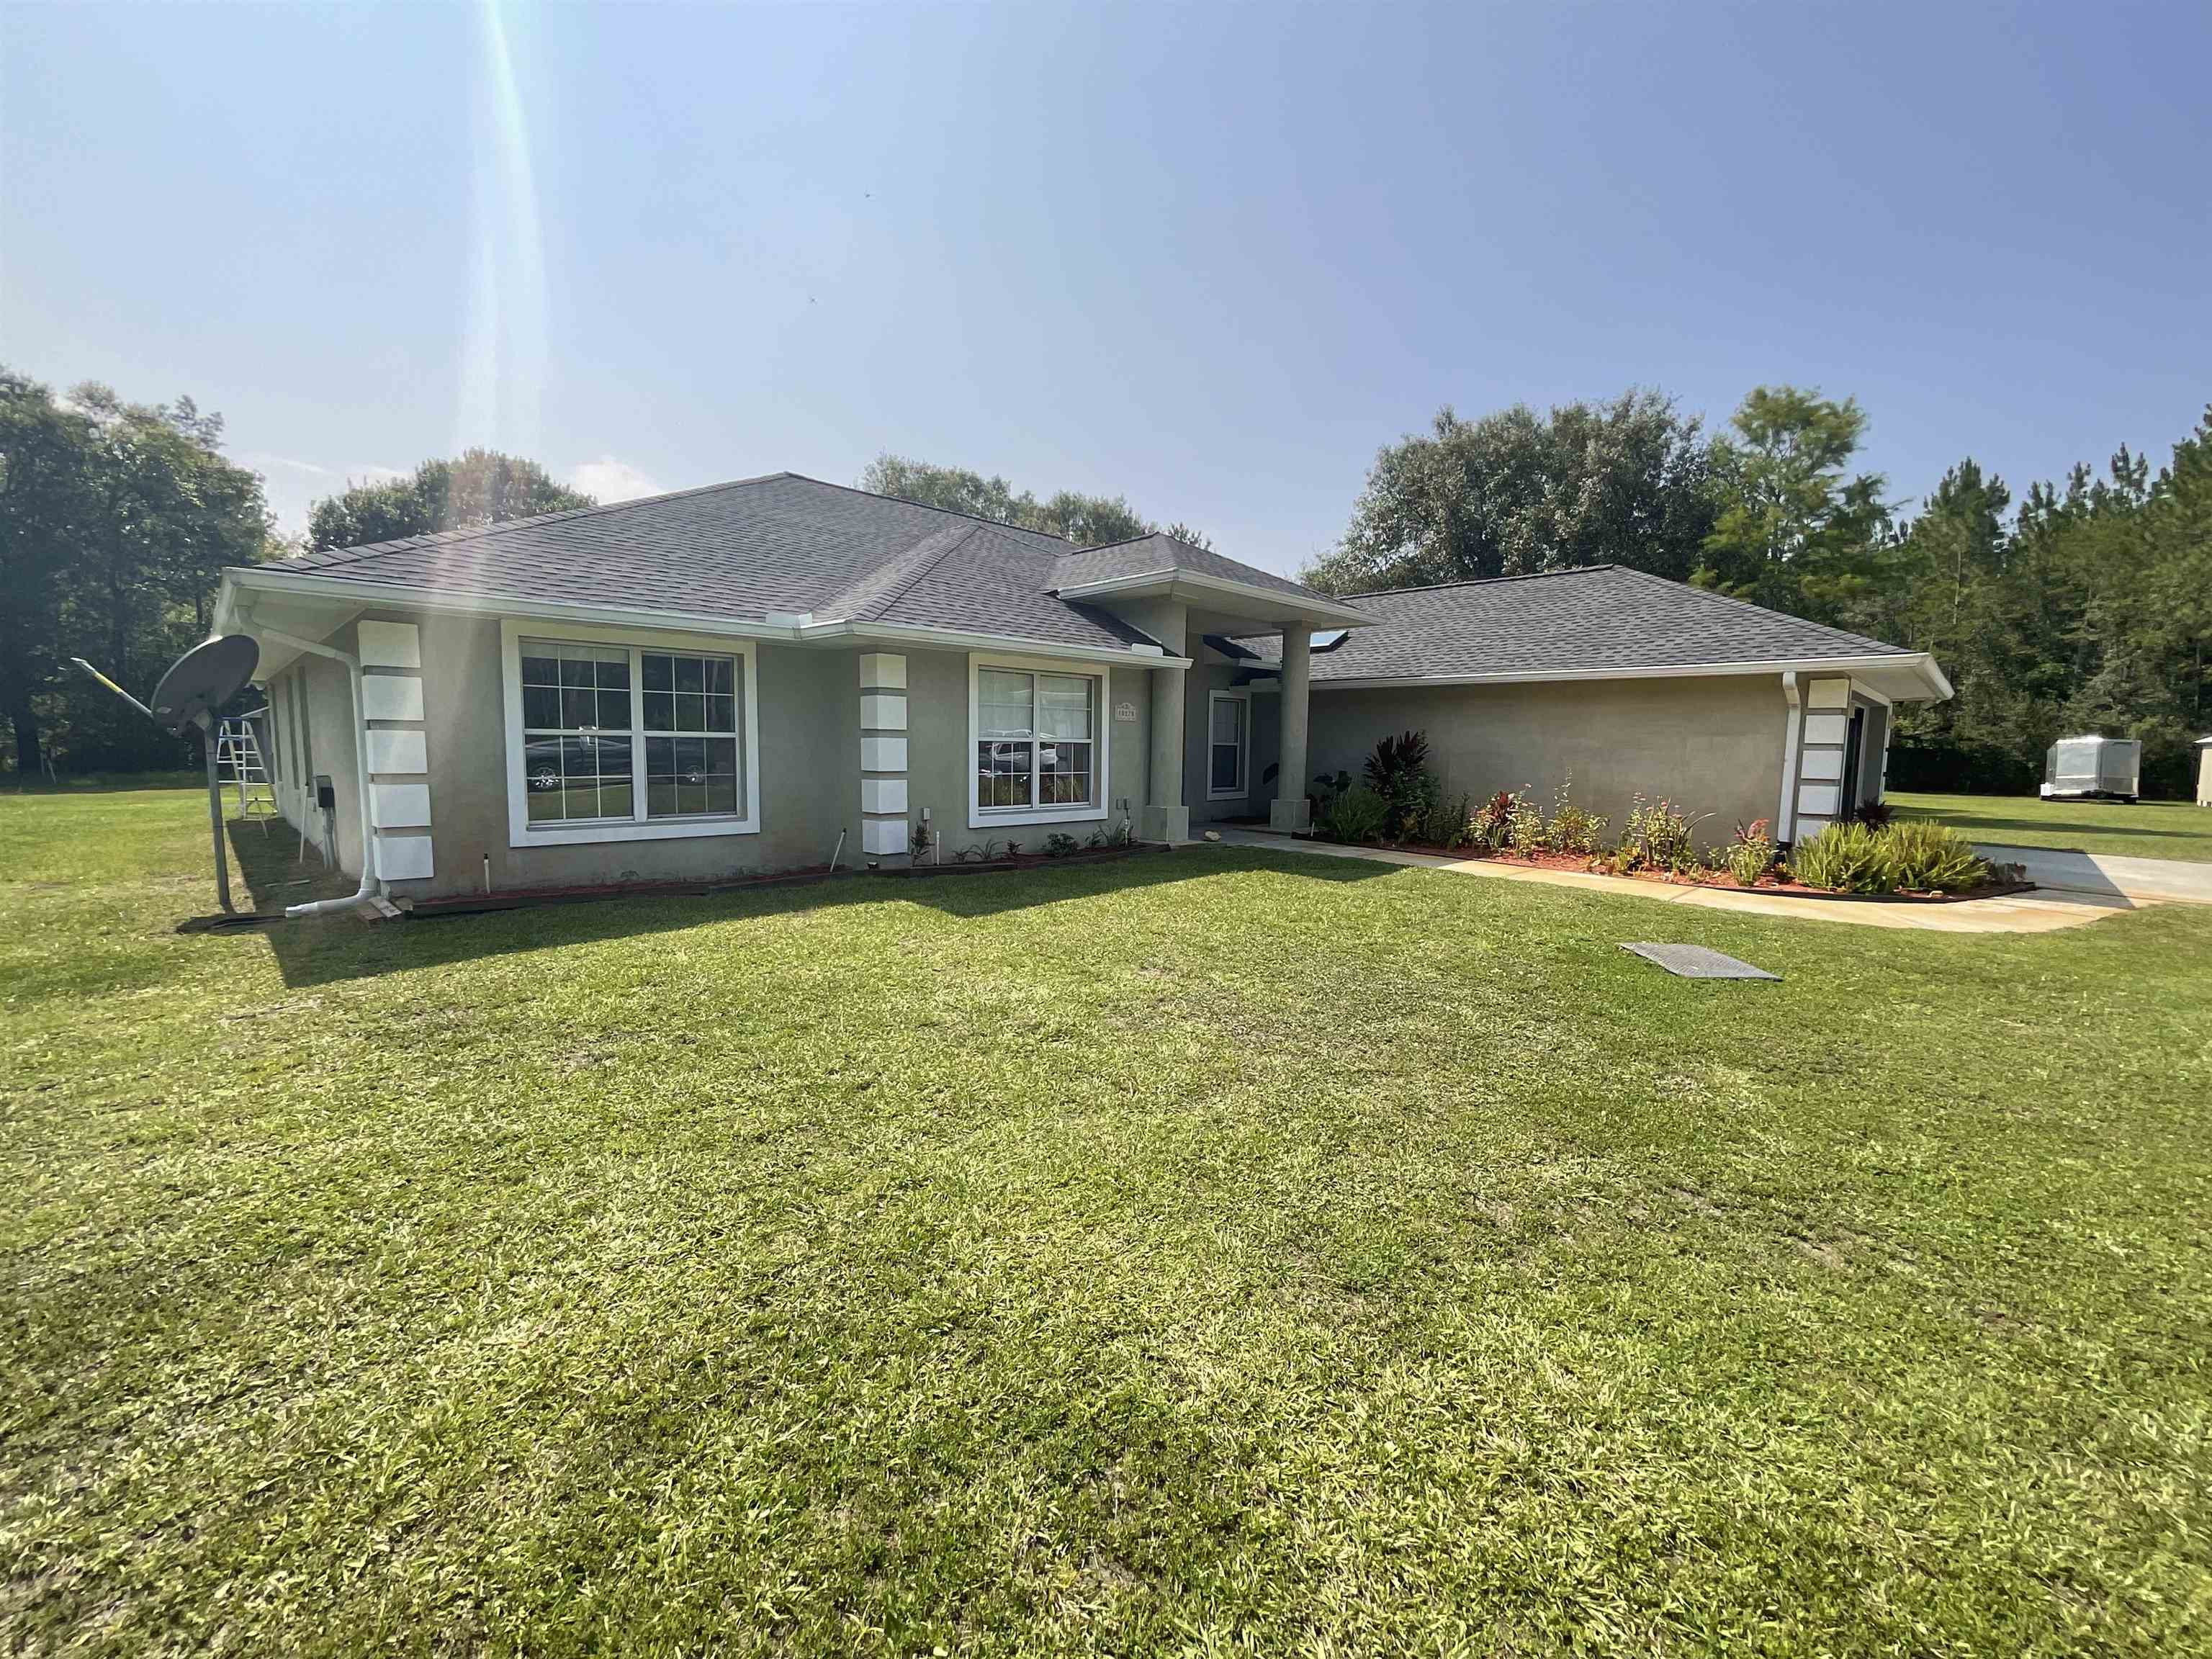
1695, 962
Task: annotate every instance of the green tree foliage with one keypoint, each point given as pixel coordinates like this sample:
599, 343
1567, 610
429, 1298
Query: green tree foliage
1624, 481
477, 487
1796, 531
1086, 521
116, 521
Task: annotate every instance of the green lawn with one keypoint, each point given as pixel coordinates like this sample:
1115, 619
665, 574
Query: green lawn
2148, 829
1212, 1251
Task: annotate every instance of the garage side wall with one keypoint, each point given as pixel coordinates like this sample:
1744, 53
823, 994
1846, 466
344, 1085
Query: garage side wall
1713, 746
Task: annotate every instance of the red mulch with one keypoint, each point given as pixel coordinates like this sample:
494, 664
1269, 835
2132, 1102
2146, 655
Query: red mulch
1769, 883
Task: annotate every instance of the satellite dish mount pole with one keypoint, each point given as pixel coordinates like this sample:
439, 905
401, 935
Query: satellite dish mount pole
206, 722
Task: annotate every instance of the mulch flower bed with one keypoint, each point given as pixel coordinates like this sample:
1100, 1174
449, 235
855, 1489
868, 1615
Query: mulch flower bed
1583, 864
1023, 861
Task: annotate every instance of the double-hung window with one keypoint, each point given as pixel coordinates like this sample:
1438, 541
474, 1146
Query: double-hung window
1037, 744
1229, 741
620, 740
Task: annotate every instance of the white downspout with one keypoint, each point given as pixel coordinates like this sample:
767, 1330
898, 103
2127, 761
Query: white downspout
370, 884
1785, 819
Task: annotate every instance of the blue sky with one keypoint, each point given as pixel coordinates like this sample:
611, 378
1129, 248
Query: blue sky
1211, 257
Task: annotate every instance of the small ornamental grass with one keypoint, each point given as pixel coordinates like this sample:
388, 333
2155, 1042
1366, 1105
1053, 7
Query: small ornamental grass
1911, 857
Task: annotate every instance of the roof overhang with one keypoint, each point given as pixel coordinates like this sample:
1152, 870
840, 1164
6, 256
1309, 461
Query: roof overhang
1220, 596
246, 591
1899, 676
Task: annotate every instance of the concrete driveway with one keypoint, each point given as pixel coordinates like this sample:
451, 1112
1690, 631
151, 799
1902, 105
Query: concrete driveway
2117, 880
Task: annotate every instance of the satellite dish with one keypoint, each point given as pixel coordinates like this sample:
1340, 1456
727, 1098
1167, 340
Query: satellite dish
204, 679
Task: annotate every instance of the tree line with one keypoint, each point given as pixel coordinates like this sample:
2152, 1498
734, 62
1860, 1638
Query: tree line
2085, 607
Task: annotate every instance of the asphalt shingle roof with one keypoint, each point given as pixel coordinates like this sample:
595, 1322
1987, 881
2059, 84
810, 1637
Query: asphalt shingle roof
1599, 617
782, 543
1149, 555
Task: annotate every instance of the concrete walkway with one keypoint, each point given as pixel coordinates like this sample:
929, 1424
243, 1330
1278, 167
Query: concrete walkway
2144, 881
2023, 912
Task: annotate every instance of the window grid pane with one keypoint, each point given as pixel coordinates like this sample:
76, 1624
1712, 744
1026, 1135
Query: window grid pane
1036, 739
690, 734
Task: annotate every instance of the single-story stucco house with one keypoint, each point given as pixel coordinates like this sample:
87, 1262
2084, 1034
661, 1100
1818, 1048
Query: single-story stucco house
729, 678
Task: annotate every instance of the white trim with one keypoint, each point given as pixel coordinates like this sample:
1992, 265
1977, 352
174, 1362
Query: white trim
238, 578
520, 830
1243, 746
883, 711
1279, 606
1830, 728
1920, 663
1860, 688
399, 806
883, 671
1822, 766
405, 858
983, 817
882, 754
1785, 818
884, 795
403, 752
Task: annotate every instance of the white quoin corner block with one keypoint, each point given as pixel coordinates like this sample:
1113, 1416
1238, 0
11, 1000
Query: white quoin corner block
403, 858
390, 697
881, 835
1817, 800
882, 754
1826, 728
390, 645
1824, 765
398, 752
1828, 694
399, 806
883, 711
882, 794
881, 671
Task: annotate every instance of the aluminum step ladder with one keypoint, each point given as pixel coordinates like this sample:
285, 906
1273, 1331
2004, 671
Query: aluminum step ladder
238, 761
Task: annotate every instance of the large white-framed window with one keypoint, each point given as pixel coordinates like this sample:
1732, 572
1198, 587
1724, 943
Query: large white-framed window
1228, 744
1037, 742
616, 735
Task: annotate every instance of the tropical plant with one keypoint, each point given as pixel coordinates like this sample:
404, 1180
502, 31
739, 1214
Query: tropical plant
1659, 836
1356, 815
1398, 771
1931, 858
1443, 821
1751, 854
1059, 845
917, 841
1844, 858
1875, 814
1524, 824
1487, 829
1573, 828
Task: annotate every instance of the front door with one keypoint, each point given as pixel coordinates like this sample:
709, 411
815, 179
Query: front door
1855, 740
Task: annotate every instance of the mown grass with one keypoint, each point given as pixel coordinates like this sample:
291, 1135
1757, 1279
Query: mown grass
2148, 829
1212, 1251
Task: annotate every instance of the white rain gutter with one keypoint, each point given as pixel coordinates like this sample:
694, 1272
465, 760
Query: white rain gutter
370, 884
1785, 818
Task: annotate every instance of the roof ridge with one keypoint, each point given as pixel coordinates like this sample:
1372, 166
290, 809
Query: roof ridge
931, 507
877, 610
1768, 611
1486, 582
426, 537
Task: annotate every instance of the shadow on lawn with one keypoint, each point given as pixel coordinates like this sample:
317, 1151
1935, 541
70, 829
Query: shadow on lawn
1984, 826
339, 947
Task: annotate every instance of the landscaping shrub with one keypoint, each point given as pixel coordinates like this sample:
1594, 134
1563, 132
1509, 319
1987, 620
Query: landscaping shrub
1356, 815
1060, 846
1843, 858
1487, 829
1751, 854
1443, 821
1658, 835
1572, 828
1932, 858
1524, 824
1875, 814
1398, 772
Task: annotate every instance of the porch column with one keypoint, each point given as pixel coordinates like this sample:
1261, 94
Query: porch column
1166, 818
1289, 811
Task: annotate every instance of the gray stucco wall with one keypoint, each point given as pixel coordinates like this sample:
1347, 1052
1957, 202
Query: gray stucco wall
809, 764
939, 760
1206, 679
1713, 746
